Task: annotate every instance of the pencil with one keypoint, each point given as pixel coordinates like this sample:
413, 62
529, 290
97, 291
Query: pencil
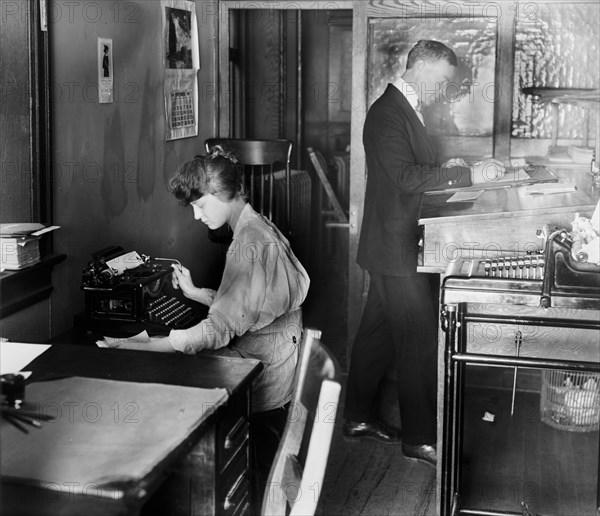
20, 412
15, 423
25, 419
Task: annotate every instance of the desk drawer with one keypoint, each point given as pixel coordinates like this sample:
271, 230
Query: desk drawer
234, 485
488, 338
233, 431
233, 453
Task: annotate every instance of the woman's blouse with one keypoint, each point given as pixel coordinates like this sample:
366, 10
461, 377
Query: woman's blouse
262, 281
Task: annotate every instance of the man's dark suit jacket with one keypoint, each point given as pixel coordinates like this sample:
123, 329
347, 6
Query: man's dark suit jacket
401, 165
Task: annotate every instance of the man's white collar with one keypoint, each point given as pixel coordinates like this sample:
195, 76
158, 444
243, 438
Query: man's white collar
409, 91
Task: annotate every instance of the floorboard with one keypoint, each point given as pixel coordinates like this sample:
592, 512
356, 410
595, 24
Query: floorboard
372, 479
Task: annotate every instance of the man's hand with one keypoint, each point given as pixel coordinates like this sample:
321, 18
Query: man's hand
487, 171
455, 162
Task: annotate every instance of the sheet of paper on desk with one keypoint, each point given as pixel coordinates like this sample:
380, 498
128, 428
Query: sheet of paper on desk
105, 435
513, 175
15, 356
107, 341
465, 196
550, 188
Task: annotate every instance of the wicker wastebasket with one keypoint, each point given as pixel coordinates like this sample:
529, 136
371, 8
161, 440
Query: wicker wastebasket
570, 400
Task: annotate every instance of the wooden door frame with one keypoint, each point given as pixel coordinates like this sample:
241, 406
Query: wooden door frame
222, 62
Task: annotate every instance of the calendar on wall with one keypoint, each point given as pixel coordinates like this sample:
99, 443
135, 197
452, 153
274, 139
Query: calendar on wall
181, 64
182, 109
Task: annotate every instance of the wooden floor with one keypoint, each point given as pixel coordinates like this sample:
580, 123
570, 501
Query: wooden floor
365, 477
369, 478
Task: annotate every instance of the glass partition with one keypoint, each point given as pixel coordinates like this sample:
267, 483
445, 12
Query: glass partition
468, 107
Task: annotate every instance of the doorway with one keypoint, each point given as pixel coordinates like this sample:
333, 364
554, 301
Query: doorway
289, 75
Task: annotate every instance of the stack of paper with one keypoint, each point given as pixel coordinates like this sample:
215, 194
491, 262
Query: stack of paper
20, 244
19, 252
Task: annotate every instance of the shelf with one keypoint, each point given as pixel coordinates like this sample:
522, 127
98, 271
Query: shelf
25, 287
584, 97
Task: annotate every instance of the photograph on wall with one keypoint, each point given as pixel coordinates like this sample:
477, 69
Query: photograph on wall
180, 35
181, 101
105, 70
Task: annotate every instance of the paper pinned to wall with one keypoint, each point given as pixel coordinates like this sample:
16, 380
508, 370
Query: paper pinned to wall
105, 70
181, 63
181, 103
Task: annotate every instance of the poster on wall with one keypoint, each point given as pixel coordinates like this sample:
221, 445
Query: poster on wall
181, 63
105, 70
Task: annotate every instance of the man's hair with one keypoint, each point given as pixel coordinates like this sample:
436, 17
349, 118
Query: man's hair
429, 50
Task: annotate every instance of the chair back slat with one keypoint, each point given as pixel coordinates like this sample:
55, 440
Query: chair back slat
302, 455
260, 160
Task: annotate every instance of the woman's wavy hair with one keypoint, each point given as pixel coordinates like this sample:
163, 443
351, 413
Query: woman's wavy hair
217, 172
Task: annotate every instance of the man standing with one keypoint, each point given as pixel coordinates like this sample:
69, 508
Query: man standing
399, 320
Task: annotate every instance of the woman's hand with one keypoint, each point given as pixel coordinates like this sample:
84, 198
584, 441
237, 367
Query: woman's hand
182, 279
487, 171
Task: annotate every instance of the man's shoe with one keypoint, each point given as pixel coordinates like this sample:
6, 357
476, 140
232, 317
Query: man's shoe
422, 452
371, 430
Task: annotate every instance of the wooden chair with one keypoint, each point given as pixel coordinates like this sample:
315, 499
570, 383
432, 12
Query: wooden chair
331, 241
297, 473
320, 165
261, 159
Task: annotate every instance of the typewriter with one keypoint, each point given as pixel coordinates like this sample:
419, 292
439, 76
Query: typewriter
132, 292
555, 275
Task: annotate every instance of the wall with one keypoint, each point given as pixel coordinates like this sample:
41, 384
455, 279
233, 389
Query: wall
15, 146
111, 161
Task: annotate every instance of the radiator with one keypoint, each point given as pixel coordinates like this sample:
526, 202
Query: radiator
300, 211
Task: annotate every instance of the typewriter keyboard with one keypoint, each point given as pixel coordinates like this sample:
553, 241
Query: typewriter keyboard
520, 267
171, 313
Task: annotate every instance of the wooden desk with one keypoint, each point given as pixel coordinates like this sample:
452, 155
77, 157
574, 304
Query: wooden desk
207, 473
501, 222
